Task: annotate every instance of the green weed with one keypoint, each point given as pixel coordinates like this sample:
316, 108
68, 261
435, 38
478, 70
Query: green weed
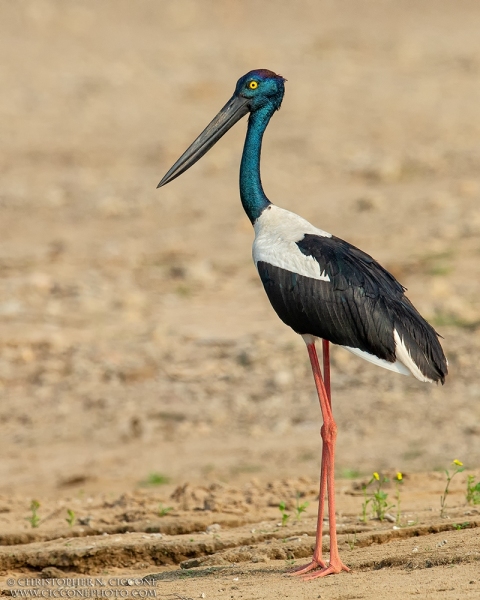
366, 501
473, 490
164, 510
282, 507
458, 526
156, 479
34, 519
71, 517
377, 500
398, 485
459, 468
352, 541
300, 508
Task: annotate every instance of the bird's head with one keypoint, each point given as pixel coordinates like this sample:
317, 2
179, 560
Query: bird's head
257, 90
260, 88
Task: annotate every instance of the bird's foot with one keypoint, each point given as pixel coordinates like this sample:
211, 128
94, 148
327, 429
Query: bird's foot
314, 564
334, 567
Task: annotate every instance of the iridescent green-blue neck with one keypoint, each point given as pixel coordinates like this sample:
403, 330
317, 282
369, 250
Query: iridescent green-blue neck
253, 197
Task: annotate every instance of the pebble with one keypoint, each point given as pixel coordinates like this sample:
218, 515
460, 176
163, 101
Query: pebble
260, 558
390, 518
52, 572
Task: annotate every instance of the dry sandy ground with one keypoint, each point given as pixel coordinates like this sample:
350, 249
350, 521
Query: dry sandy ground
135, 337
230, 541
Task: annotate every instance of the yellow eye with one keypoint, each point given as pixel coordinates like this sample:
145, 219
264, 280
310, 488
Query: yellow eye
253, 85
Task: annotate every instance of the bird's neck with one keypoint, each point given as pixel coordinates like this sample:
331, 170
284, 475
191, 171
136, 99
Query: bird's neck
253, 197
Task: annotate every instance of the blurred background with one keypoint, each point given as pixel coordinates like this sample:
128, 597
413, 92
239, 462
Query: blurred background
135, 336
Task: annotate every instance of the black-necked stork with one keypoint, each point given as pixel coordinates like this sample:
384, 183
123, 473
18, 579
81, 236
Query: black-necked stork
319, 285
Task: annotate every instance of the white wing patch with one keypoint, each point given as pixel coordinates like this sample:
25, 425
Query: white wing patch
276, 232
403, 355
403, 365
397, 366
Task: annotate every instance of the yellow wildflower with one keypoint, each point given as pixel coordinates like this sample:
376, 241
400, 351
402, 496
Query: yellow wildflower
376, 476
399, 476
457, 462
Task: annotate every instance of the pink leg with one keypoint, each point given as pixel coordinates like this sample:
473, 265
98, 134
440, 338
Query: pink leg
326, 370
329, 435
317, 560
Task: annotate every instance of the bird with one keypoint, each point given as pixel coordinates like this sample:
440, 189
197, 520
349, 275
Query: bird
319, 285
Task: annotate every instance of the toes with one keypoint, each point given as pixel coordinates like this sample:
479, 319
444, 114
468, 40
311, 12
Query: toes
332, 569
322, 573
307, 568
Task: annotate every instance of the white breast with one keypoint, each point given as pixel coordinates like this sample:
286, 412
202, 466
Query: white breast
276, 232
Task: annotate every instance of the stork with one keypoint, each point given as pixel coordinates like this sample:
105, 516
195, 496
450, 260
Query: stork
321, 286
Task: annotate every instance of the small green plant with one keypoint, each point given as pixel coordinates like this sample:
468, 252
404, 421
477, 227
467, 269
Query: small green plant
300, 508
34, 519
71, 517
459, 468
464, 525
156, 479
282, 507
352, 541
378, 499
398, 485
473, 490
164, 510
366, 501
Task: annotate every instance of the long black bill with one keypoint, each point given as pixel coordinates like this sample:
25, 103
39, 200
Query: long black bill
233, 111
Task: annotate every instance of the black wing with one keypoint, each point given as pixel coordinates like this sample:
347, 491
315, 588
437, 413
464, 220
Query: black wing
360, 307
